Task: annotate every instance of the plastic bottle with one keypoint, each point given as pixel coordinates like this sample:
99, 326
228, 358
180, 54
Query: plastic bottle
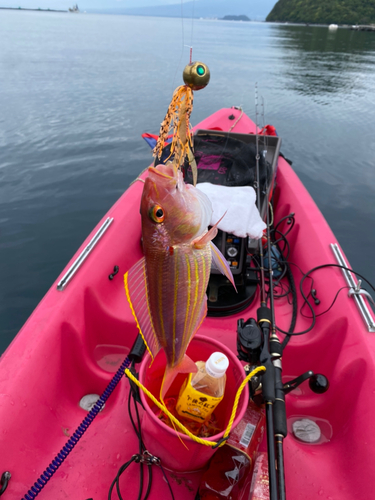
228, 476
204, 390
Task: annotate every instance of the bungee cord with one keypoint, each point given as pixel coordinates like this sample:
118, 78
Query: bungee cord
285, 264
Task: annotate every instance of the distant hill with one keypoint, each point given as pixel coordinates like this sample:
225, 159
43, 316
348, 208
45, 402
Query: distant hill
235, 18
324, 11
255, 10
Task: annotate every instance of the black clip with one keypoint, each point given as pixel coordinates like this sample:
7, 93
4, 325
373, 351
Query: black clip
115, 271
222, 440
134, 387
146, 458
5, 478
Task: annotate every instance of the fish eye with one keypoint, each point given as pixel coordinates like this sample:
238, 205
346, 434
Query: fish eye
156, 213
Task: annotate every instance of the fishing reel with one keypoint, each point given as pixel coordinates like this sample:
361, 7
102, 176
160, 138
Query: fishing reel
249, 346
249, 341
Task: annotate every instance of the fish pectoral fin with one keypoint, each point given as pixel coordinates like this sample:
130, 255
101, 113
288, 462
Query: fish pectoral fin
187, 365
207, 237
135, 282
221, 264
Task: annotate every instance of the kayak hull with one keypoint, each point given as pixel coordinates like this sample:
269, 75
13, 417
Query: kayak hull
76, 339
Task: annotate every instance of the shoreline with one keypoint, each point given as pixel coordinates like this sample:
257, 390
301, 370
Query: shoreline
34, 10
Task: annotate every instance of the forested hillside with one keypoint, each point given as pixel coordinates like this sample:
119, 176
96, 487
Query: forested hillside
324, 11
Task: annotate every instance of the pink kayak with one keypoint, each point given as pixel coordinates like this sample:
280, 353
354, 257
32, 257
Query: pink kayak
82, 331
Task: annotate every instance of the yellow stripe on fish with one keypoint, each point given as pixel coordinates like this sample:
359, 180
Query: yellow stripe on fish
175, 304
195, 301
163, 338
188, 297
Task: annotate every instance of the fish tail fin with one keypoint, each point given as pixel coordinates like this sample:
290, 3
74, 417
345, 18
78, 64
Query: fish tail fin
187, 365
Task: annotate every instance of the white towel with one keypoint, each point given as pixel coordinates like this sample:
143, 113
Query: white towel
242, 218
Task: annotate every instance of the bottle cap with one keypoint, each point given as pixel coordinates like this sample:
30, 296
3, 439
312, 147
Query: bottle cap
217, 364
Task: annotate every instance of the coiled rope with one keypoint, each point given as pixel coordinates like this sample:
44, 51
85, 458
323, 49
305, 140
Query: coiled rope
205, 442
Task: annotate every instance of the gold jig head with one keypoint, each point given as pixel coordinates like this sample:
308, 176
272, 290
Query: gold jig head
196, 75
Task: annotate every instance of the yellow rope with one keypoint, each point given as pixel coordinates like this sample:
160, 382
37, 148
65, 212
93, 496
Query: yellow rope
238, 394
180, 425
133, 313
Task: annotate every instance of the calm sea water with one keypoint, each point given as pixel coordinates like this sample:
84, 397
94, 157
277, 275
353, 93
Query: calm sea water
77, 91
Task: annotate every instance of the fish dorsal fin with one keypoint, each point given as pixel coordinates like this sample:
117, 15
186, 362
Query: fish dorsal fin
137, 294
221, 264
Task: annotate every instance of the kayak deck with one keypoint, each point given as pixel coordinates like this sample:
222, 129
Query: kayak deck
76, 339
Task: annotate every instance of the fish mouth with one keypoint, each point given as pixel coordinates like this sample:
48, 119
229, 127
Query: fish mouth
163, 171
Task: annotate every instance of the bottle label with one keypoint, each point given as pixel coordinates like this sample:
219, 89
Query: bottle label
247, 435
194, 404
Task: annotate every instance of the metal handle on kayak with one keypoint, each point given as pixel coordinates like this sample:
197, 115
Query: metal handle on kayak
362, 306
83, 255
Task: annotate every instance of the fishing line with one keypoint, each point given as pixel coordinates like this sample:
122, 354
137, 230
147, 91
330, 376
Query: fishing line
178, 66
183, 41
265, 137
182, 23
192, 27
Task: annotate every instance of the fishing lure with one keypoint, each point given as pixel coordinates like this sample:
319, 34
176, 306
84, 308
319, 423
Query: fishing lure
196, 76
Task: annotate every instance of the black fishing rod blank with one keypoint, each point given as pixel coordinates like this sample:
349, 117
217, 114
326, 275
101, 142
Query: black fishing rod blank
265, 322
276, 350
279, 411
268, 391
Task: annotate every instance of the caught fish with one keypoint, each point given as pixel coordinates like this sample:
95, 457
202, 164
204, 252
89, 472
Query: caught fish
166, 289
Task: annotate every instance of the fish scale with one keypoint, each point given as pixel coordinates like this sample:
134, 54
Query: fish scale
179, 307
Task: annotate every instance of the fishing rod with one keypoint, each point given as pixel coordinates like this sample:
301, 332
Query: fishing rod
265, 322
275, 347
276, 351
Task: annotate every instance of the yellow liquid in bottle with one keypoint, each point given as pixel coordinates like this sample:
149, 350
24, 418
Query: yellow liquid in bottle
203, 382
202, 392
